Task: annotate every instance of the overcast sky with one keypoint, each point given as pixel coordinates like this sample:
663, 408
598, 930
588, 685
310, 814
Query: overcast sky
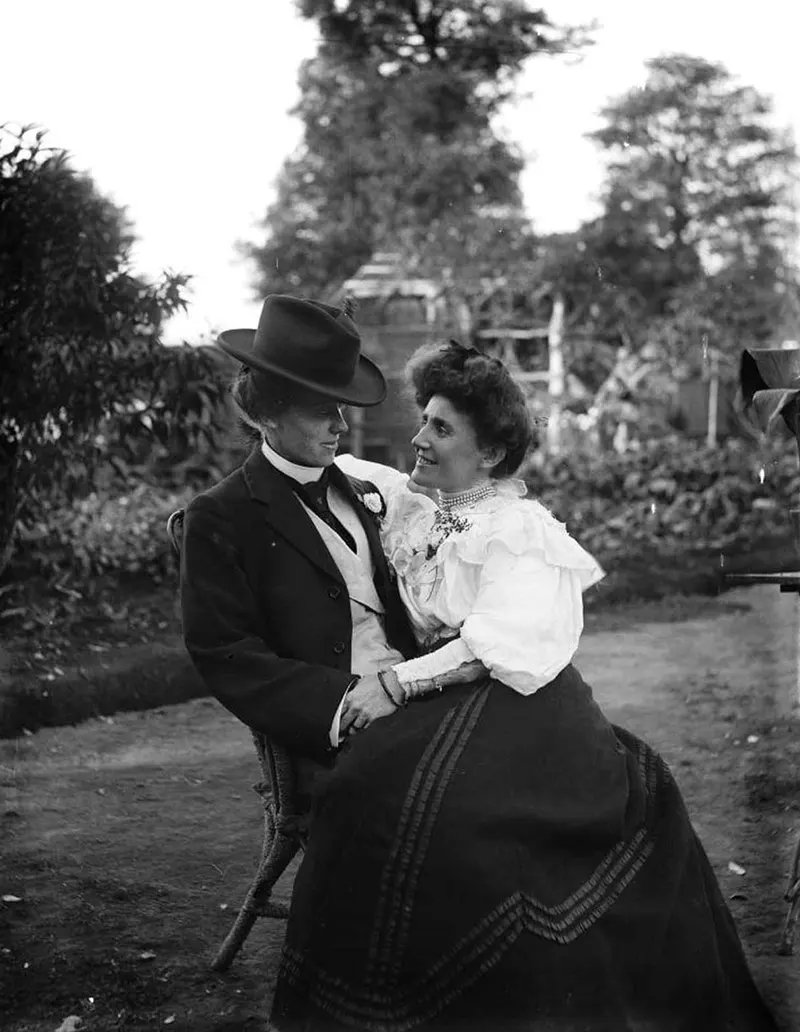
179, 110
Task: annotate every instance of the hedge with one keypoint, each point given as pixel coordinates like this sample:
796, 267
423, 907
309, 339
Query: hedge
667, 498
655, 517
122, 534
672, 497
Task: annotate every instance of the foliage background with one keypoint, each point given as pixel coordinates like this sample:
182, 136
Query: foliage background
103, 430
88, 392
669, 499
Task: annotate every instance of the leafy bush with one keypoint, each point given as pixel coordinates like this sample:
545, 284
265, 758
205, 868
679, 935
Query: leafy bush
671, 495
85, 374
121, 534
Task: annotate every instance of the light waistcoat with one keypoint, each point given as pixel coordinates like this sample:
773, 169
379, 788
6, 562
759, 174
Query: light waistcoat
369, 648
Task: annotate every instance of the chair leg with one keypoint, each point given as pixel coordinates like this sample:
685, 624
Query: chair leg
278, 851
234, 940
792, 896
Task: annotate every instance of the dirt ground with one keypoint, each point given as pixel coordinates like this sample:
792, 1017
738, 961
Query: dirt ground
129, 842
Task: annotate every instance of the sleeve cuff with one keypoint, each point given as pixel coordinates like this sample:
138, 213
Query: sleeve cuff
336, 723
449, 657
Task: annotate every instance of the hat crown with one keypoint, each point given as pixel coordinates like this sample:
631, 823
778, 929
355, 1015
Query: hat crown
308, 338
311, 343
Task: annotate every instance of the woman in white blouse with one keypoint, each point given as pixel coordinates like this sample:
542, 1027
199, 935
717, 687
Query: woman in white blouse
492, 853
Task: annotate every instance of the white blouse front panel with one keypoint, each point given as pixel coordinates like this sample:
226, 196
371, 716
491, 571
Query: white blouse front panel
501, 582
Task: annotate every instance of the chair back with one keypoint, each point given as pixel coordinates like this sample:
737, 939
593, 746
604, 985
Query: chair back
175, 530
276, 763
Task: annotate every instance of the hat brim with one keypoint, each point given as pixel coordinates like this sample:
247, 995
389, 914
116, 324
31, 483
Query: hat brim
367, 387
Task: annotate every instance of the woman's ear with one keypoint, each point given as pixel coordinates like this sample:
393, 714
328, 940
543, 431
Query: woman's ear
492, 456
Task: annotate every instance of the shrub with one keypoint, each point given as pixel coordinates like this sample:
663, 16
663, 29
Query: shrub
671, 495
121, 534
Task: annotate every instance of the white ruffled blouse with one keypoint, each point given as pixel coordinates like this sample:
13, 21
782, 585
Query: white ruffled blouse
501, 581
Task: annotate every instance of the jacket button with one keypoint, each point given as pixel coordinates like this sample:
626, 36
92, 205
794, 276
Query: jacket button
339, 648
334, 592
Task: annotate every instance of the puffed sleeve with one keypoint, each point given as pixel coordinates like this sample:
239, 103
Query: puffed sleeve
526, 619
389, 481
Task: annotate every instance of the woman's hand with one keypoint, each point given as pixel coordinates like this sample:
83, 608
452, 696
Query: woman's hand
364, 704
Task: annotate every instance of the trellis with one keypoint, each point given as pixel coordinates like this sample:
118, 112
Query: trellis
383, 280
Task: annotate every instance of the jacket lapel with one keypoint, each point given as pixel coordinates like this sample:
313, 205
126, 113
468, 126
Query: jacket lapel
283, 511
343, 484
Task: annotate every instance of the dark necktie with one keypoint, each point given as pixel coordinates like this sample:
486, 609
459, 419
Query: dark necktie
315, 496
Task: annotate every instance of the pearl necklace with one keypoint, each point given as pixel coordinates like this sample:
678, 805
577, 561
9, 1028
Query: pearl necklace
463, 499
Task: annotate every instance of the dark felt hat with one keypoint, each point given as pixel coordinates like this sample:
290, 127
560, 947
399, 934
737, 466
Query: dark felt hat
310, 343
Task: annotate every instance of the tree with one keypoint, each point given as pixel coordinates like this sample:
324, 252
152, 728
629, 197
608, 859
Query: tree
702, 182
698, 161
399, 150
692, 252
79, 333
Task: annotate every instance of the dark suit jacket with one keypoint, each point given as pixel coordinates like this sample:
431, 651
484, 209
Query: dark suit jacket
266, 614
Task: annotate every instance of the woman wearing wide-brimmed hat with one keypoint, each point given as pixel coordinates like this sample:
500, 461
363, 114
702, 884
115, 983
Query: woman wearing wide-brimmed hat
287, 599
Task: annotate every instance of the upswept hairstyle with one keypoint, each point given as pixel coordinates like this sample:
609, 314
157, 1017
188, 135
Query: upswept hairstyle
482, 389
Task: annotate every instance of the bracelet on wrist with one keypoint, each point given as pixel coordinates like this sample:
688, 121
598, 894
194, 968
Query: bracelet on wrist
383, 677
425, 686
395, 683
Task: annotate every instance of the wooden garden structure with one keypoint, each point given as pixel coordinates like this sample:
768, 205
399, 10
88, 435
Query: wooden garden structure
399, 311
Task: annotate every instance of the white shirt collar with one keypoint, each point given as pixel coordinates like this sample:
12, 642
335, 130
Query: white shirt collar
302, 474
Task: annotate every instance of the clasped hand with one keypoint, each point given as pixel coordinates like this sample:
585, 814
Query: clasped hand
364, 704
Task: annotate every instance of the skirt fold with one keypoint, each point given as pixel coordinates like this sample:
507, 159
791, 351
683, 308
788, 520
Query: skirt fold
483, 860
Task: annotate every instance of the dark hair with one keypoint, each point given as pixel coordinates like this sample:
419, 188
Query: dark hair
260, 396
482, 389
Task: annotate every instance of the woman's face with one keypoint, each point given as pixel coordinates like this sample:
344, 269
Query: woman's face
448, 455
308, 435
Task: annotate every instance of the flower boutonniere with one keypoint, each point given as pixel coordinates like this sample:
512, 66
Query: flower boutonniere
373, 501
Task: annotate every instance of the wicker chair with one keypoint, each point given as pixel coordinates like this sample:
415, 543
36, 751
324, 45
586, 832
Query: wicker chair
283, 824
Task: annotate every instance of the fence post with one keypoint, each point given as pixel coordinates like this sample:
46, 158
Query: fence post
555, 381
357, 438
713, 399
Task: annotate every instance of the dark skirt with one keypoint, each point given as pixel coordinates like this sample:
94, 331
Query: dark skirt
483, 860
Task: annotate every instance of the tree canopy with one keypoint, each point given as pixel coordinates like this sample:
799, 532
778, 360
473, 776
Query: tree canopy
694, 246
399, 148
701, 181
79, 332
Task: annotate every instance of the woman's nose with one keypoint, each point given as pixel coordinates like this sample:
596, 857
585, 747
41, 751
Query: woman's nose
340, 423
418, 440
